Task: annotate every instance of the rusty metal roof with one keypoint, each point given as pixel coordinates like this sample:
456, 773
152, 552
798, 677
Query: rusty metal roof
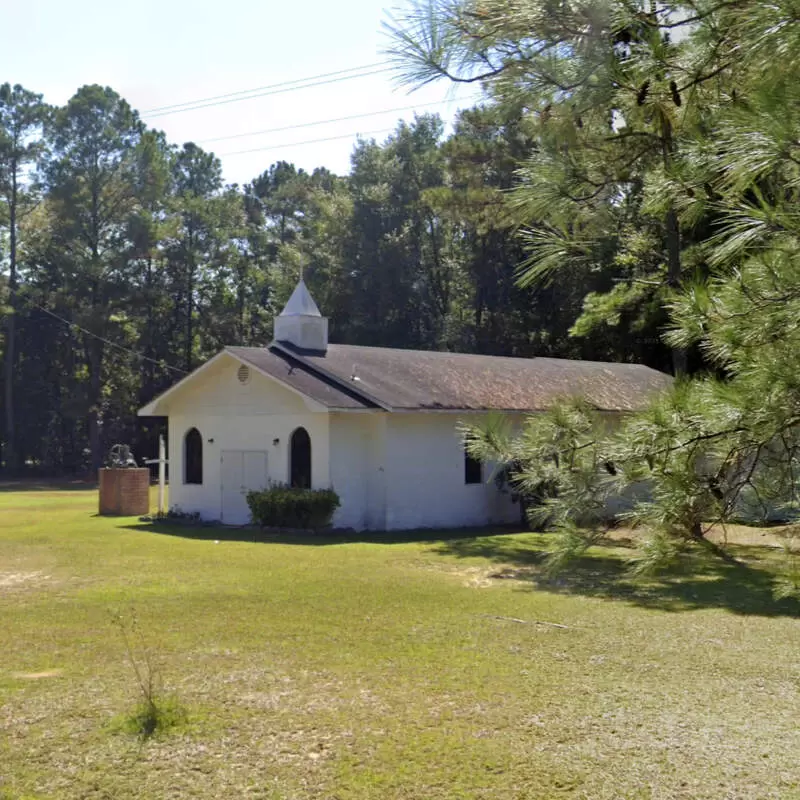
348, 376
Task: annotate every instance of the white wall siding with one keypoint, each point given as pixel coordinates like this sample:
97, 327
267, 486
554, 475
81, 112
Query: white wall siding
358, 455
424, 474
405, 471
350, 466
232, 416
377, 489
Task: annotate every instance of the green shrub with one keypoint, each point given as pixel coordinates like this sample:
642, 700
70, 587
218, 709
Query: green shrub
282, 506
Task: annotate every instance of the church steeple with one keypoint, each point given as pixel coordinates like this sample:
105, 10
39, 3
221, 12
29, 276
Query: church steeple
300, 323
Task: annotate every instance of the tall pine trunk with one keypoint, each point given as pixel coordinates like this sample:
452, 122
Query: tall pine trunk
190, 269
11, 333
94, 358
94, 346
149, 372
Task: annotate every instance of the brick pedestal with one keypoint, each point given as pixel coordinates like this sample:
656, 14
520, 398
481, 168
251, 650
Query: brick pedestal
124, 492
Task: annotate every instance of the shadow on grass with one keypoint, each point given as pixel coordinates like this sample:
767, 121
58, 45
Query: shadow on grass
44, 485
248, 534
697, 581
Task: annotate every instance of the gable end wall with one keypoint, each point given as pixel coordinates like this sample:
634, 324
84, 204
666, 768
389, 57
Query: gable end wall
239, 417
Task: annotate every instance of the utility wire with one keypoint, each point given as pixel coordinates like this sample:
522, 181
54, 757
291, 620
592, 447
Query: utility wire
308, 141
278, 88
162, 364
324, 122
261, 88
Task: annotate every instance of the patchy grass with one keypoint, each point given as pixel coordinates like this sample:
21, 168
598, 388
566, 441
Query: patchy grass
418, 668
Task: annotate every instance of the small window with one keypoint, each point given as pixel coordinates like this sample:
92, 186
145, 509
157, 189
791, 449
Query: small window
473, 471
193, 457
300, 460
243, 374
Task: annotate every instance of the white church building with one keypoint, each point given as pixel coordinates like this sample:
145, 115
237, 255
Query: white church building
378, 425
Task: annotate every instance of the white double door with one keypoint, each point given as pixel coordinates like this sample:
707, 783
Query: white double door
241, 471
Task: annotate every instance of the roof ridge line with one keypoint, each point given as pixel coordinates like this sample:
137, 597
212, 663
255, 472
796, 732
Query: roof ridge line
330, 376
534, 357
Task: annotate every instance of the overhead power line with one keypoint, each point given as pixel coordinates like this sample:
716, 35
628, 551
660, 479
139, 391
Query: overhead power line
324, 122
264, 91
270, 86
307, 141
161, 364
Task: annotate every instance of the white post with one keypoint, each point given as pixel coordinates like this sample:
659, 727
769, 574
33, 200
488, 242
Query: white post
162, 472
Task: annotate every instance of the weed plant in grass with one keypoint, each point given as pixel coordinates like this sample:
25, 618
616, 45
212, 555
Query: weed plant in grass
156, 712
158, 716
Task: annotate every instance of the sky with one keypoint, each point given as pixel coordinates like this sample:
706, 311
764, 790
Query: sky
158, 53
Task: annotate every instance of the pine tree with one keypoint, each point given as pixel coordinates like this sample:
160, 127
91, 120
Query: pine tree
723, 444
611, 89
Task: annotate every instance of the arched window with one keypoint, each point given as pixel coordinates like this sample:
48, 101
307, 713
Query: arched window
193, 457
300, 460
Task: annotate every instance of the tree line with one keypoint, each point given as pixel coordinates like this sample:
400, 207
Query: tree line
127, 261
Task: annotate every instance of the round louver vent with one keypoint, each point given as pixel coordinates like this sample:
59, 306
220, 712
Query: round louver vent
243, 374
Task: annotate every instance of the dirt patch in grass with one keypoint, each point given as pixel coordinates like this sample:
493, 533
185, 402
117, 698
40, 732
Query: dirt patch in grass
474, 576
16, 581
37, 676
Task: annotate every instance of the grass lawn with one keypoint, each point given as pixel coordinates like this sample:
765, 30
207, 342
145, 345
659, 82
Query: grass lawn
402, 669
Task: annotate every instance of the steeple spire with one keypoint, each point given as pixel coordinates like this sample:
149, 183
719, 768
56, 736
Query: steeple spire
300, 323
301, 303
